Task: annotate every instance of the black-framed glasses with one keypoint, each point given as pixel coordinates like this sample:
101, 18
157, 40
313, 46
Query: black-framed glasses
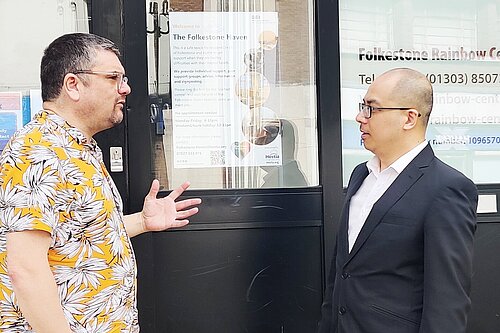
120, 78
367, 110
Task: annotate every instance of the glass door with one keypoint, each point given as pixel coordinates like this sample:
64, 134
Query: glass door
233, 93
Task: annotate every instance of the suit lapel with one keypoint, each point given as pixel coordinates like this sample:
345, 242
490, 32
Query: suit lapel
358, 176
397, 189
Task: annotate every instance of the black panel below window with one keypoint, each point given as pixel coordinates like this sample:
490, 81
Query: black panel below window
485, 312
240, 280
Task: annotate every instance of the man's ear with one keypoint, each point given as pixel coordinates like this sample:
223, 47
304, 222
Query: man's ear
411, 120
71, 86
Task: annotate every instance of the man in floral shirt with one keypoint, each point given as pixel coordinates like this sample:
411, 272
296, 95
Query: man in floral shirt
66, 260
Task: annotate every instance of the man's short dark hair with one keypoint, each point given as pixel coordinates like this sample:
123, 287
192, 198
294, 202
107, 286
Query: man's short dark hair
67, 54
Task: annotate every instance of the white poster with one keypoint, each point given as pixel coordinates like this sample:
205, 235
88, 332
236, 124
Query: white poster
35, 101
222, 76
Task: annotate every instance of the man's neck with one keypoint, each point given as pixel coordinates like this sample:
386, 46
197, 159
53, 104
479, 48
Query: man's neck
63, 112
387, 159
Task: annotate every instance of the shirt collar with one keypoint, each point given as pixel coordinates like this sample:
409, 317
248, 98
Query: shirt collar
74, 132
400, 164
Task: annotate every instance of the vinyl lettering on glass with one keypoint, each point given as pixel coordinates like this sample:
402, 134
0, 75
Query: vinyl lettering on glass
456, 46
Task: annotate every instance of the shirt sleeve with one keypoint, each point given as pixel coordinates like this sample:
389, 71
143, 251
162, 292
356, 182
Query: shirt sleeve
30, 187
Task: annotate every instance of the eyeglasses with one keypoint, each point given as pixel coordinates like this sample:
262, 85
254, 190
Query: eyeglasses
367, 110
120, 78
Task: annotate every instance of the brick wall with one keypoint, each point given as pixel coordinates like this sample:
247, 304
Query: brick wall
186, 5
294, 40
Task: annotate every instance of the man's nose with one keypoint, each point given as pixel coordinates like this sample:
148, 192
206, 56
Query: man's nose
360, 118
125, 89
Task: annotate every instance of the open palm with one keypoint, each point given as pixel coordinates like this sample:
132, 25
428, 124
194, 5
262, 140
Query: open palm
164, 213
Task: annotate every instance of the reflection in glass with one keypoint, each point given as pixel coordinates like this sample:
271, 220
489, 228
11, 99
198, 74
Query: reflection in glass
251, 89
289, 174
461, 63
261, 126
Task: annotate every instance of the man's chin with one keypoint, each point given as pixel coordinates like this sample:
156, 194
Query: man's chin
367, 145
118, 118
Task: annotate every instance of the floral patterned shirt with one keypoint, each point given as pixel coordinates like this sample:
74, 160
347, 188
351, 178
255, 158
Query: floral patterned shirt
53, 179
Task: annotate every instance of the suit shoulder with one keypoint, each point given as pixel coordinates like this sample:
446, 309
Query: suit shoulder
359, 167
445, 173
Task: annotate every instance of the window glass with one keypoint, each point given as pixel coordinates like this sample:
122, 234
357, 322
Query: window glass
23, 37
232, 90
456, 45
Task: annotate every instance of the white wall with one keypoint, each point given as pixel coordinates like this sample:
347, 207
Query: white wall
26, 28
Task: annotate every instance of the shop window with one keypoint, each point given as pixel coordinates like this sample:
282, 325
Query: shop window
456, 45
233, 95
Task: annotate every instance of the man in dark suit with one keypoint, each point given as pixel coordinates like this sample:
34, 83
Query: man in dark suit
403, 258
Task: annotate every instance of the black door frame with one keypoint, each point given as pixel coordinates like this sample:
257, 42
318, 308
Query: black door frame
328, 106
115, 20
122, 22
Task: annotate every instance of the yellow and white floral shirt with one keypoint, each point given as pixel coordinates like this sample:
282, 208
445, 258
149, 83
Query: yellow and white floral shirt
53, 179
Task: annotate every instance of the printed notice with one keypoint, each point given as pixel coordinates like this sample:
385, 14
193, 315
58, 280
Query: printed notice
220, 85
35, 102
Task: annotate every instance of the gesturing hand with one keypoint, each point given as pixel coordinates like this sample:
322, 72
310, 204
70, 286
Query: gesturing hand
164, 213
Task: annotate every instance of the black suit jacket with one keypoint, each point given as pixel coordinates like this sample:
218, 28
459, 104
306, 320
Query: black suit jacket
410, 268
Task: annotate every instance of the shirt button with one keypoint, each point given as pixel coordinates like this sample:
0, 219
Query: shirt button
342, 310
345, 275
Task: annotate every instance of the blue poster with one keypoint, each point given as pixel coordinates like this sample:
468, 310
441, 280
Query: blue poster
8, 126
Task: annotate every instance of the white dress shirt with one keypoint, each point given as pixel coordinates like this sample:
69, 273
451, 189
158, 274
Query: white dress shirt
373, 187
